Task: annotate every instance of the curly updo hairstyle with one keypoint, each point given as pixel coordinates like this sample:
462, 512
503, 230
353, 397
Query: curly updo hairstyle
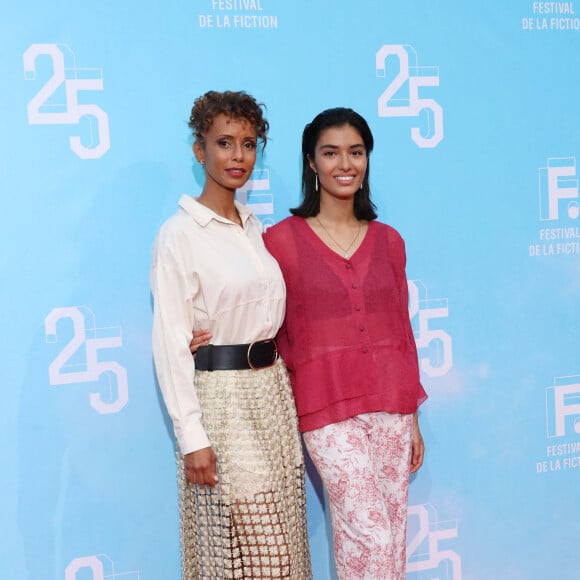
234, 104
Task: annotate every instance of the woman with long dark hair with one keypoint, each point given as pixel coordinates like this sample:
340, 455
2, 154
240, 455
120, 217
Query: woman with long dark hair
349, 346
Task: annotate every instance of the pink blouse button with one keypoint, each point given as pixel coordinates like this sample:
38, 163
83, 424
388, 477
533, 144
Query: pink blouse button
365, 349
348, 265
361, 328
355, 285
358, 308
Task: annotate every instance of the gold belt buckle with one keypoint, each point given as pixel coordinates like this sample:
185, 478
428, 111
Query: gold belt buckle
249, 354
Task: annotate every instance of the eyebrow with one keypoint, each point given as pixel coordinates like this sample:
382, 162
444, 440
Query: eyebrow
228, 136
329, 146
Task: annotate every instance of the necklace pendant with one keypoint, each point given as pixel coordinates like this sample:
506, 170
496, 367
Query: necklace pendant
346, 251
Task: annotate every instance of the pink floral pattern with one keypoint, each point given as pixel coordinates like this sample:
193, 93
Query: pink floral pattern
364, 465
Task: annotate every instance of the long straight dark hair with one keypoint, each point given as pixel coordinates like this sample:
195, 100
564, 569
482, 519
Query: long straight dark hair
364, 208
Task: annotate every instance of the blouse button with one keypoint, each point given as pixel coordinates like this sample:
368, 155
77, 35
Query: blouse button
361, 328
365, 349
358, 308
355, 285
348, 265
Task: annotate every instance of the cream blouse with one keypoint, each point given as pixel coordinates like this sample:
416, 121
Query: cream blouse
207, 271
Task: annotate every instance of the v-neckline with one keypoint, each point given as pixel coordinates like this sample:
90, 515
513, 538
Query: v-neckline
334, 253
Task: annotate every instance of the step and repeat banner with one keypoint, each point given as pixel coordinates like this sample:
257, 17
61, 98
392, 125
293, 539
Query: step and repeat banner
475, 111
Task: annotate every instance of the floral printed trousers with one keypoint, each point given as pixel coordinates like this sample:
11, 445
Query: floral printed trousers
364, 465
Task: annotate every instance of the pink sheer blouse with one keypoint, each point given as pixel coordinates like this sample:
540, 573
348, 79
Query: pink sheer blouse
347, 338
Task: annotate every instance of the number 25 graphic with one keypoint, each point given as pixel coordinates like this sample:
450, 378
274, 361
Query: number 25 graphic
39, 109
429, 537
101, 567
92, 369
412, 106
426, 336
89, 562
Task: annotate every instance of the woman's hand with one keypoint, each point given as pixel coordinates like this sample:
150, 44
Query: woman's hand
417, 446
200, 466
200, 338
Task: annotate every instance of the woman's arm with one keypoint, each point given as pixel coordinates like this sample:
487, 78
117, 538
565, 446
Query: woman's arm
417, 445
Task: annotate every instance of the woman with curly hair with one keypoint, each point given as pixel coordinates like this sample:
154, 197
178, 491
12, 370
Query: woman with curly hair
241, 470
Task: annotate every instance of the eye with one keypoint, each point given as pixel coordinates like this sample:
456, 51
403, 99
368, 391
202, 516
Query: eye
329, 154
250, 144
358, 153
223, 143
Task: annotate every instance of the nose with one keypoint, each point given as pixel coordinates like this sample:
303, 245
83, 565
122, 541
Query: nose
345, 161
238, 152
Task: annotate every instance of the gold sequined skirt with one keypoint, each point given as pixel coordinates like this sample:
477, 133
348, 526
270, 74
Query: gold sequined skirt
252, 524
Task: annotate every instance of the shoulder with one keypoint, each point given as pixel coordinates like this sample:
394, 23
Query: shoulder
249, 218
287, 224
175, 239
174, 226
385, 231
280, 239
282, 229
255, 223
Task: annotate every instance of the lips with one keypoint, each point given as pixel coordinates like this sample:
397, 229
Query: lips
236, 171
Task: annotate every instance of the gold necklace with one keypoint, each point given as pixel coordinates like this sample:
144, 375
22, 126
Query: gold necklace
344, 251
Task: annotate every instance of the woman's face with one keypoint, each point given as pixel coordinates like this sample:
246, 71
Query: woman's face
228, 153
340, 159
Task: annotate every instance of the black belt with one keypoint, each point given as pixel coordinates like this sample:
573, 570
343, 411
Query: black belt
227, 357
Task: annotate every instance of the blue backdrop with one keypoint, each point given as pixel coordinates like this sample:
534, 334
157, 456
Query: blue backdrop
474, 107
